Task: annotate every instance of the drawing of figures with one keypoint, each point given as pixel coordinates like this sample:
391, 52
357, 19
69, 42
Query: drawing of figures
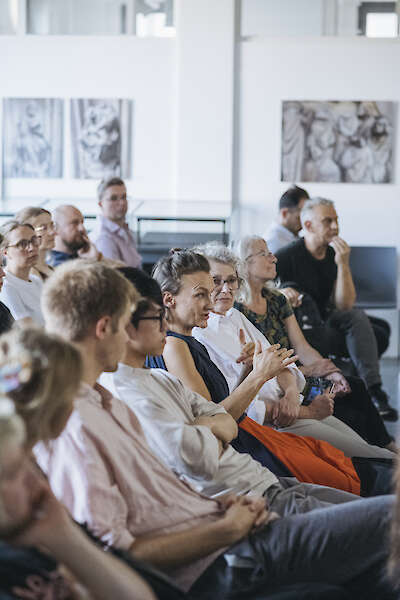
101, 138
32, 137
337, 141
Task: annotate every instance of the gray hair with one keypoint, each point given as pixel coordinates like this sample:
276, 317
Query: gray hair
309, 206
218, 252
243, 251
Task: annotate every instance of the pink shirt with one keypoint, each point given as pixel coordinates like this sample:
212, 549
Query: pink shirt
102, 469
116, 242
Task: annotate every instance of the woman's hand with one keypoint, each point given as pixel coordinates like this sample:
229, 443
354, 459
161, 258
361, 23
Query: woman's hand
270, 362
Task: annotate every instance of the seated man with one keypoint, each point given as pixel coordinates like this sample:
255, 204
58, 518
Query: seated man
71, 239
31, 519
112, 236
104, 471
319, 266
286, 228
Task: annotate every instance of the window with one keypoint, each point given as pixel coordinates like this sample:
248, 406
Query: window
378, 19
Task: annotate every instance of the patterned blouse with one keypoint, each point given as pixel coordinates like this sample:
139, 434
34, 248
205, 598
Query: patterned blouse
272, 323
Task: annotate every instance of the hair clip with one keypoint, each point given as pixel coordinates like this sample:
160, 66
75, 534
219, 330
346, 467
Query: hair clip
12, 375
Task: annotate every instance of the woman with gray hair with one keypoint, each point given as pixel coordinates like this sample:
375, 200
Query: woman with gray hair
270, 312
228, 329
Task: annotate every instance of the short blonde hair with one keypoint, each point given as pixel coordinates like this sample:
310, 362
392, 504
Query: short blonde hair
7, 228
46, 372
80, 292
27, 214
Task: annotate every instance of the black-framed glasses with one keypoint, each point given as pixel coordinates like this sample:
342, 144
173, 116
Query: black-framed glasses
232, 282
160, 317
23, 245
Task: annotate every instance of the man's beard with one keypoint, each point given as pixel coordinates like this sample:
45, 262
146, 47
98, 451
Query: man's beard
74, 246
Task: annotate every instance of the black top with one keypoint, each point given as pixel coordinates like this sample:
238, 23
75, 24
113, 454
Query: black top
6, 319
297, 268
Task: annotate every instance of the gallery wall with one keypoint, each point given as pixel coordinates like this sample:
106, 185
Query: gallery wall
98, 67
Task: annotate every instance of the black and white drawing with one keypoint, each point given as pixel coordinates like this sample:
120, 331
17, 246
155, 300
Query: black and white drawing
32, 137
337, 141
101, 134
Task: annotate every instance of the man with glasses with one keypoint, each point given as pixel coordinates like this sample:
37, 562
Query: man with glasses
286, 229
112, 235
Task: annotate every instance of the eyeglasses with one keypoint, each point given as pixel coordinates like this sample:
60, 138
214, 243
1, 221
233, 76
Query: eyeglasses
261, 253
159, 318
45, 227
233, 283
23, 245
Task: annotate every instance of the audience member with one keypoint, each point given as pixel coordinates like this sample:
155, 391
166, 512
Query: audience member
269, 311
71, 239
132, 499
319, 266
40, 219
162, 404
6, 318
21, 291
43, 553
112, 236
221, 337
286, 228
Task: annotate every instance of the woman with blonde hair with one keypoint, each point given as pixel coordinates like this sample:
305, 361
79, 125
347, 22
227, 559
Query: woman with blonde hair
21, 291
41, 221
41, 373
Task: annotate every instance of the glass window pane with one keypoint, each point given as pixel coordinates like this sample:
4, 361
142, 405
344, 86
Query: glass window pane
8, 16
382, 24
154, 18
76, 17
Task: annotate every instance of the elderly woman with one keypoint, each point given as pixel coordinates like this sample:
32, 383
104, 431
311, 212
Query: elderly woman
41, 221
222, 340
21, 291
270, 312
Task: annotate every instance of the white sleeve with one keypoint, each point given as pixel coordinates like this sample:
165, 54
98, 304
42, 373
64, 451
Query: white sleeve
190, 450
12, 299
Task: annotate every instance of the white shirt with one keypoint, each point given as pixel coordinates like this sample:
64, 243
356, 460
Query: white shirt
278, 236
221, 338
166, 409
23, 297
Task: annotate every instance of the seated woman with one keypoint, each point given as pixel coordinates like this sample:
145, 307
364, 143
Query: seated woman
21, 291
269, 311
222, 339
35, 374
186, 284
41, 221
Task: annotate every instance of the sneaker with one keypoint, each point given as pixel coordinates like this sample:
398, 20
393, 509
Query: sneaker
381, 401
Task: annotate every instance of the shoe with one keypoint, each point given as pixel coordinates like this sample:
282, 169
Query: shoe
381, 401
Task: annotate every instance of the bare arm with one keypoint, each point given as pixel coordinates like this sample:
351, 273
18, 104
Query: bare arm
180, 363
344, 292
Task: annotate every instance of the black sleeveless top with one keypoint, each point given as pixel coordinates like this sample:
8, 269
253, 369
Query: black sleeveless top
219, 390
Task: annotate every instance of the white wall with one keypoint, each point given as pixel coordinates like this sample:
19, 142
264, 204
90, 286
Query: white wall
276, 69
97, 67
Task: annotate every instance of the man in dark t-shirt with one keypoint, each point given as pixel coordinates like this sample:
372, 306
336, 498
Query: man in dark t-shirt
318, 265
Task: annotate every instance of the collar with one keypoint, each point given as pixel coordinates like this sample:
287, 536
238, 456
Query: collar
58, 253
97, 395
111, 226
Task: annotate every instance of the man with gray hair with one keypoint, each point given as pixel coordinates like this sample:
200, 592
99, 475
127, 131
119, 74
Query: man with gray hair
112, 235
318, 265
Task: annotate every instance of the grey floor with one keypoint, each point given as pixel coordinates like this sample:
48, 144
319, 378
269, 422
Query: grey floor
390, 369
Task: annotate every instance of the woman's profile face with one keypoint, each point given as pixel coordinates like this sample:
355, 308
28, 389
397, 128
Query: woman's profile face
44, 229
226, 284
192, 304
22, 246
261, 263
